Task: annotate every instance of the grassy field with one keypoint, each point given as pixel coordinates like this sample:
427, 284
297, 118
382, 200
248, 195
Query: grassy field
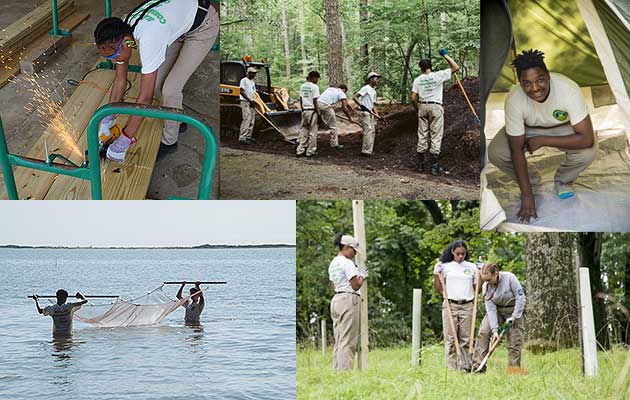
390, 376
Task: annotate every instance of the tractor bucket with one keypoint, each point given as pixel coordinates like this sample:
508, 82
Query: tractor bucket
286, 123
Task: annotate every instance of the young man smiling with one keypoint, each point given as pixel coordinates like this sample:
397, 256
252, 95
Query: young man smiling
173, 38
545, 110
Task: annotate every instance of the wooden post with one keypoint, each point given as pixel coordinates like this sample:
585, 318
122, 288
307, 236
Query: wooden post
589, 344
358, 219
323, 333
416, 338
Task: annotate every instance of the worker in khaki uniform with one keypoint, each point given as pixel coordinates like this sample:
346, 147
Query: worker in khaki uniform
345, 307
327, 102
247, 88
505, 303
366, 98
459, 278
172, 38
309, 93
426, 97
544, 110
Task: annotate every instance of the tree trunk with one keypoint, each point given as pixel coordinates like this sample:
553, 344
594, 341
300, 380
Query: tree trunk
426, 25
347, 61
285, 38
590, 248
333, 43
626, 290
363, 51
302, 41
434, 210
405, 77
552, 311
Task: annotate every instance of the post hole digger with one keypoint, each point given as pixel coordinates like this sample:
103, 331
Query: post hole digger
464, 359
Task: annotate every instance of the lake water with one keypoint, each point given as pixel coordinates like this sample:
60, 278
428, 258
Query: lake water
244, 348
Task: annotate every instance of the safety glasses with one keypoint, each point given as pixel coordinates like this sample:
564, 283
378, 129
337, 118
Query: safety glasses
117, 52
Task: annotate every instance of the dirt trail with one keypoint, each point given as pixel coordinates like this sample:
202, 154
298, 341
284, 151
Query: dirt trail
395, 144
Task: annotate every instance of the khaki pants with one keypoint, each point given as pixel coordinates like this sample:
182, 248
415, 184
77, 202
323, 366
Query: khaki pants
249, 118
514, 338
462, 317
366, 120
345, 311
430, 122
182, 59
330, 119
308, 133
575, 162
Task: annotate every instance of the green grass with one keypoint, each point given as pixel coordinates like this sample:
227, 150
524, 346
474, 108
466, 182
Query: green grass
555, 375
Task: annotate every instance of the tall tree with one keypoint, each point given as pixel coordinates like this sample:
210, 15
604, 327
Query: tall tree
333, 43
285, 38
552, 311
363, 21
302, 41
590, 249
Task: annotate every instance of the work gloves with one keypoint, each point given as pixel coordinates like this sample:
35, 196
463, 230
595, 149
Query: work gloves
509, 321
106, 123
443, 52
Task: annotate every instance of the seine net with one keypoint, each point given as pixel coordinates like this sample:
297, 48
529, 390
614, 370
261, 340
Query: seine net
149, 309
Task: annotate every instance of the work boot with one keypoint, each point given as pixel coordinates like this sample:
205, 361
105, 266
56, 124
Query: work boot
166, 149
435, 167
421, 162
183, 127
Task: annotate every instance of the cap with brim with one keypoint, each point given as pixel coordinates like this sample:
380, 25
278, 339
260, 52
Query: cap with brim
348, 240
373, 74
252, 69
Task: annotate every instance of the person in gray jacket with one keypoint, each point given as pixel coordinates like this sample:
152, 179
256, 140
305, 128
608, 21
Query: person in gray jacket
505, 303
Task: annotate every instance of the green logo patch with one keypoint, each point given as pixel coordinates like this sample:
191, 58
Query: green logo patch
560, 115
468, 271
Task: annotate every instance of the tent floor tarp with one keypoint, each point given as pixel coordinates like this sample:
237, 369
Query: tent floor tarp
601, 203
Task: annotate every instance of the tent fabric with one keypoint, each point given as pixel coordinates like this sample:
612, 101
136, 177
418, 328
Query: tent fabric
144, 310
586, 40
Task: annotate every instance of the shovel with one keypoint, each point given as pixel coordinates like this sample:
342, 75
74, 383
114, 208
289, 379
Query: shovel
471, 348
463, 359
493, 345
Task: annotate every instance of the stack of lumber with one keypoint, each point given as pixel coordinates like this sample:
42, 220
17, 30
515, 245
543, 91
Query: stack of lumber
127, 181
26, 44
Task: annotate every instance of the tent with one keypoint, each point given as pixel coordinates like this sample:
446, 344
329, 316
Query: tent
588, 41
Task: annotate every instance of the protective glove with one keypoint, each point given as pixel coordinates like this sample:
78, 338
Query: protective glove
509, 321
364, 272
443, 52
105, 125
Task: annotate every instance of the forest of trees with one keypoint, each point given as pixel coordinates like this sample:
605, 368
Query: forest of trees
404, 240
345, 39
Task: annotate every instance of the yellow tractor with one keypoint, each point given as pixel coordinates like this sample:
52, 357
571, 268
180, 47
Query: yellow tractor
272, 107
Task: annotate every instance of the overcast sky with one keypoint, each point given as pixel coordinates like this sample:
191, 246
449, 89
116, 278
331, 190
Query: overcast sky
146, 223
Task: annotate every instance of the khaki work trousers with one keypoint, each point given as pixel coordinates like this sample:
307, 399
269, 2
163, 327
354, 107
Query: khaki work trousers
570, 168
366, 120
327, 113
430, 124
308, 133
462, 318
345, 309
183, 57
515, 337
249, 118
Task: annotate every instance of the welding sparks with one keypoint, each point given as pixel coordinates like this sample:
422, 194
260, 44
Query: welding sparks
49, 112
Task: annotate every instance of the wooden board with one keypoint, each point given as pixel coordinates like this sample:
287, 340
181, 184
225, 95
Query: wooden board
42, 50
19, 34
33, 184
11, 65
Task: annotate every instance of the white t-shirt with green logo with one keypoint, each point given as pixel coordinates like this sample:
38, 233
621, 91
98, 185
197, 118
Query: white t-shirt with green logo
459, 279
308, 93
565, 104
160, 27
340, 271
429, 86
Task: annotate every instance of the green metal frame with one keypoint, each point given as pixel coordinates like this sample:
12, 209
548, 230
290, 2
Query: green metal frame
55, 22
90, 169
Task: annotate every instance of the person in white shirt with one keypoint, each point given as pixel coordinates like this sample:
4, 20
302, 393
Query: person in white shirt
247, 92
505, 304
460, 278
346, 280
544, 110
309, 93
61, 312
366, 98
194, 306
327, 102
426, 97
173, 38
